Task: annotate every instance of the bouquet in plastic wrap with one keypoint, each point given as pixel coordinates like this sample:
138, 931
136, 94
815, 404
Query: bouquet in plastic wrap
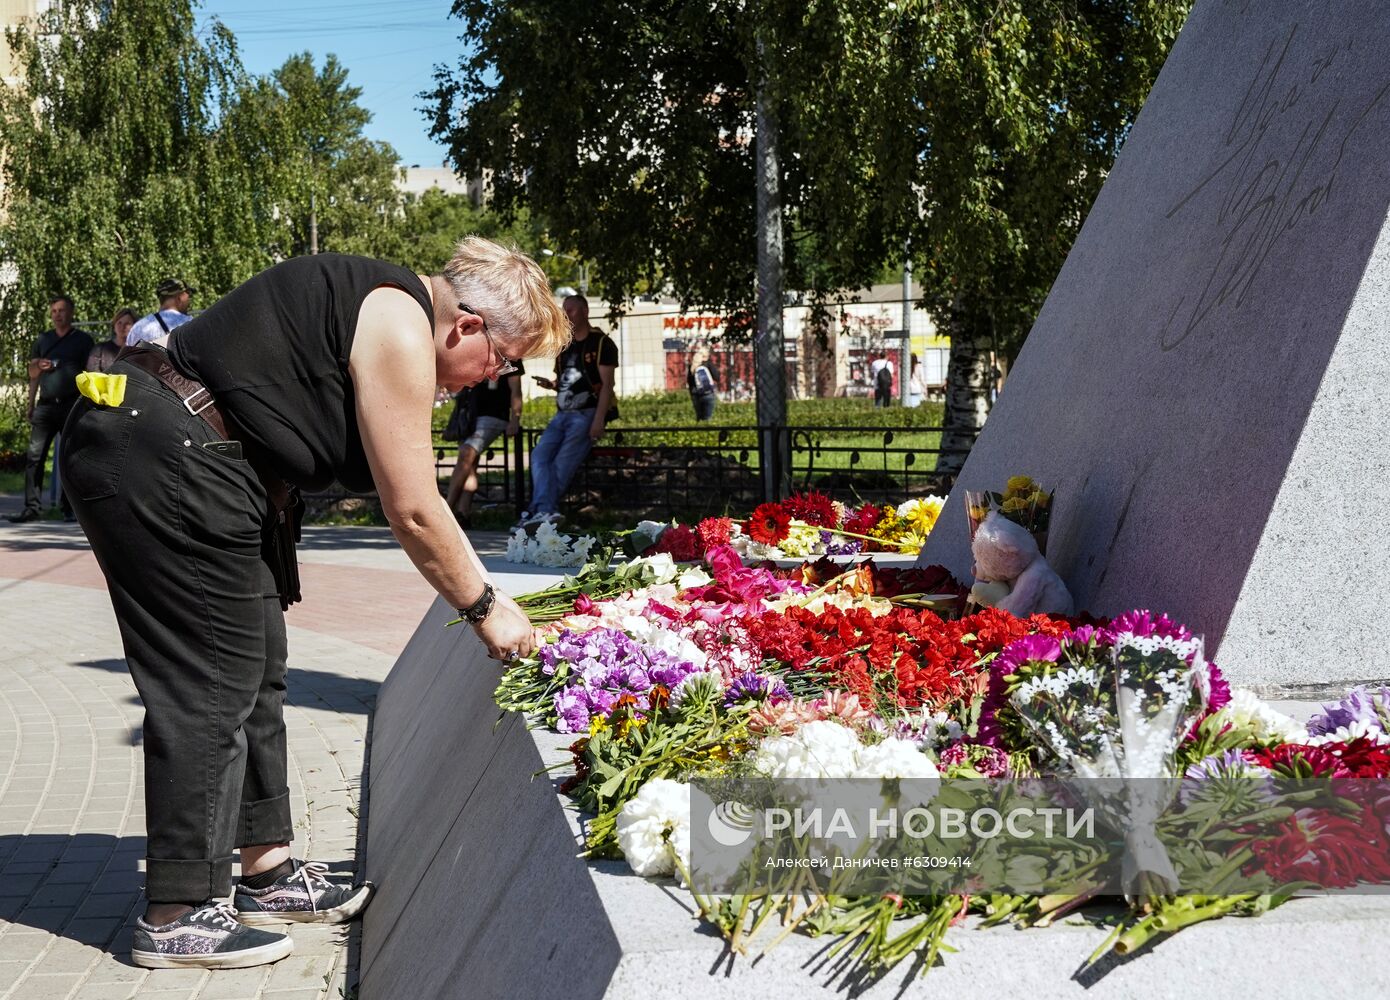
1023, 501
1112, 706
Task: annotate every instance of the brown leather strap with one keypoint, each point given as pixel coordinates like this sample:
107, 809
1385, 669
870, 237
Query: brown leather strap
194, 395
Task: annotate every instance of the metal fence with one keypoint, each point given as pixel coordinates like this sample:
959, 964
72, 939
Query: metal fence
688, 471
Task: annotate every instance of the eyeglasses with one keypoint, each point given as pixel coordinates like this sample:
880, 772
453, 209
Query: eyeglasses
506, 366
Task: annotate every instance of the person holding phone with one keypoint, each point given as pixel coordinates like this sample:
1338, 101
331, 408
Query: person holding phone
583, 384
321, 368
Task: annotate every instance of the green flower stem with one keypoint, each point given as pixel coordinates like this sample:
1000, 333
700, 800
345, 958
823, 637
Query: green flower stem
1175, 913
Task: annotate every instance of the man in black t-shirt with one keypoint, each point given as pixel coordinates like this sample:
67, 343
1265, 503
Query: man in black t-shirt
583, 383
496, 407
54, 363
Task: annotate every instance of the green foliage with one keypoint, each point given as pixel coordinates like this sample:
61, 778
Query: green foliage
979, 129
136, 148
114, 168
306, 126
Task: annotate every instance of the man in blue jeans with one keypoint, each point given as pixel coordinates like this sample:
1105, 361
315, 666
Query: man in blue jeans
584, 386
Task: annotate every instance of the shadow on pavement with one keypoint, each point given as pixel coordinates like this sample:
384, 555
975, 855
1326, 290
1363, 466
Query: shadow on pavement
85, 887
305, 689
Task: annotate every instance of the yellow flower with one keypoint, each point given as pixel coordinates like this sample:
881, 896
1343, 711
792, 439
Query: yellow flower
597, 724
1015, 505
1040, 499
1019, 486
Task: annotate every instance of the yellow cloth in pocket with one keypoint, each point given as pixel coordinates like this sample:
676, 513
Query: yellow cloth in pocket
101, 388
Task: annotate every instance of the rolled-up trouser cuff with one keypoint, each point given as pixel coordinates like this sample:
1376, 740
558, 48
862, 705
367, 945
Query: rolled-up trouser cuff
187, 881
265, 821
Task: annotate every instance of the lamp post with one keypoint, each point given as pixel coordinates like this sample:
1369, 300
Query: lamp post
583, 269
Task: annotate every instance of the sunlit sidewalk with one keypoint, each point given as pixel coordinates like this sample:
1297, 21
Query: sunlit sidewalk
71, 794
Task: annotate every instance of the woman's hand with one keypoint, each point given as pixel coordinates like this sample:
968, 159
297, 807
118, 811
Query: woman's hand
506, 631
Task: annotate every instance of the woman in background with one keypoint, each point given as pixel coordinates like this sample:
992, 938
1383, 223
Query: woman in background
104, 354
700, 381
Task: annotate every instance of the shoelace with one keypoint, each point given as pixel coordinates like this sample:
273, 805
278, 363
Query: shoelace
218, 915
310, 872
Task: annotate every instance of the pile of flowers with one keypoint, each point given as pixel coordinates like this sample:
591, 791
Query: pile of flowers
667, 672
549, 547
805, 525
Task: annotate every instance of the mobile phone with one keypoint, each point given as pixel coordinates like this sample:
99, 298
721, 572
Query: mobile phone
227, 449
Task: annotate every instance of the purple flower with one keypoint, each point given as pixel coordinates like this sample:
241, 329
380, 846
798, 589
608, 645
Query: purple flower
991, 762
605, 664
1371, 708
1230, 766
847, 547
753, 686
1144, 624
573, 710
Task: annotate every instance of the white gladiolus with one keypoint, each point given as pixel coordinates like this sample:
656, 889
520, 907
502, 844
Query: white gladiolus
549, 547
654, 827
693, 576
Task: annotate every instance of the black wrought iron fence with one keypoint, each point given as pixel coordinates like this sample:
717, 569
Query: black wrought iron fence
668, 471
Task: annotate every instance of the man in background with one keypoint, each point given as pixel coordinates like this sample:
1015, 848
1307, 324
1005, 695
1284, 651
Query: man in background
174, 299
881, 371
57, 357
583, 385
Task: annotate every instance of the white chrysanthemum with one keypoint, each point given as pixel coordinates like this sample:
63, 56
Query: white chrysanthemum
817, 750
654, 827
516, 547
1354, 730
894, 758
1246, 711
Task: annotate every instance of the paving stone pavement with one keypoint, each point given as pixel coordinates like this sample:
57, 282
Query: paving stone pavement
71, 788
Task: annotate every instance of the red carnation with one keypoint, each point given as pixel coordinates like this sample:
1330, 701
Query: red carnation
812, 508
681, 542
714, 531
862, 521
769, 525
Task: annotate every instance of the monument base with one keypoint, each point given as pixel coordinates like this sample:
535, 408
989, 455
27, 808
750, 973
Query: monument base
481, 894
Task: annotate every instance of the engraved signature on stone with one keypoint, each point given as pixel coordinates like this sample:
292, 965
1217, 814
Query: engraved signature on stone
1268, 191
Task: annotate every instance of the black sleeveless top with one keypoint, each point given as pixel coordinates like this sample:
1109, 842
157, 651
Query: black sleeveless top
274, 353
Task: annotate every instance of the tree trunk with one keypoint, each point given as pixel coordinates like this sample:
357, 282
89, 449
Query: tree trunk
769, 350
968, 381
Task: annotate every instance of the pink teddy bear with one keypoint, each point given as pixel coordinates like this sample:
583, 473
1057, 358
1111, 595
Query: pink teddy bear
1011, 574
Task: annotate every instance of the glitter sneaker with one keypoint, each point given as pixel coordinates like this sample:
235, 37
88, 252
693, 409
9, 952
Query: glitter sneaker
207, 938
304, 896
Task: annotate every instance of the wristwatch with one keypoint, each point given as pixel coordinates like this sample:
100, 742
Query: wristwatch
477, 612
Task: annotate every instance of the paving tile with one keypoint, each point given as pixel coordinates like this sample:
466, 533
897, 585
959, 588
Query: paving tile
48, 987
234, 984
23, 944
111, 904
95, 931
175, 979
107, 991
47, 918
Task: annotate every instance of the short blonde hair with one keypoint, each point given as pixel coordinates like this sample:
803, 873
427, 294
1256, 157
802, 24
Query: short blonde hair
514, 293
